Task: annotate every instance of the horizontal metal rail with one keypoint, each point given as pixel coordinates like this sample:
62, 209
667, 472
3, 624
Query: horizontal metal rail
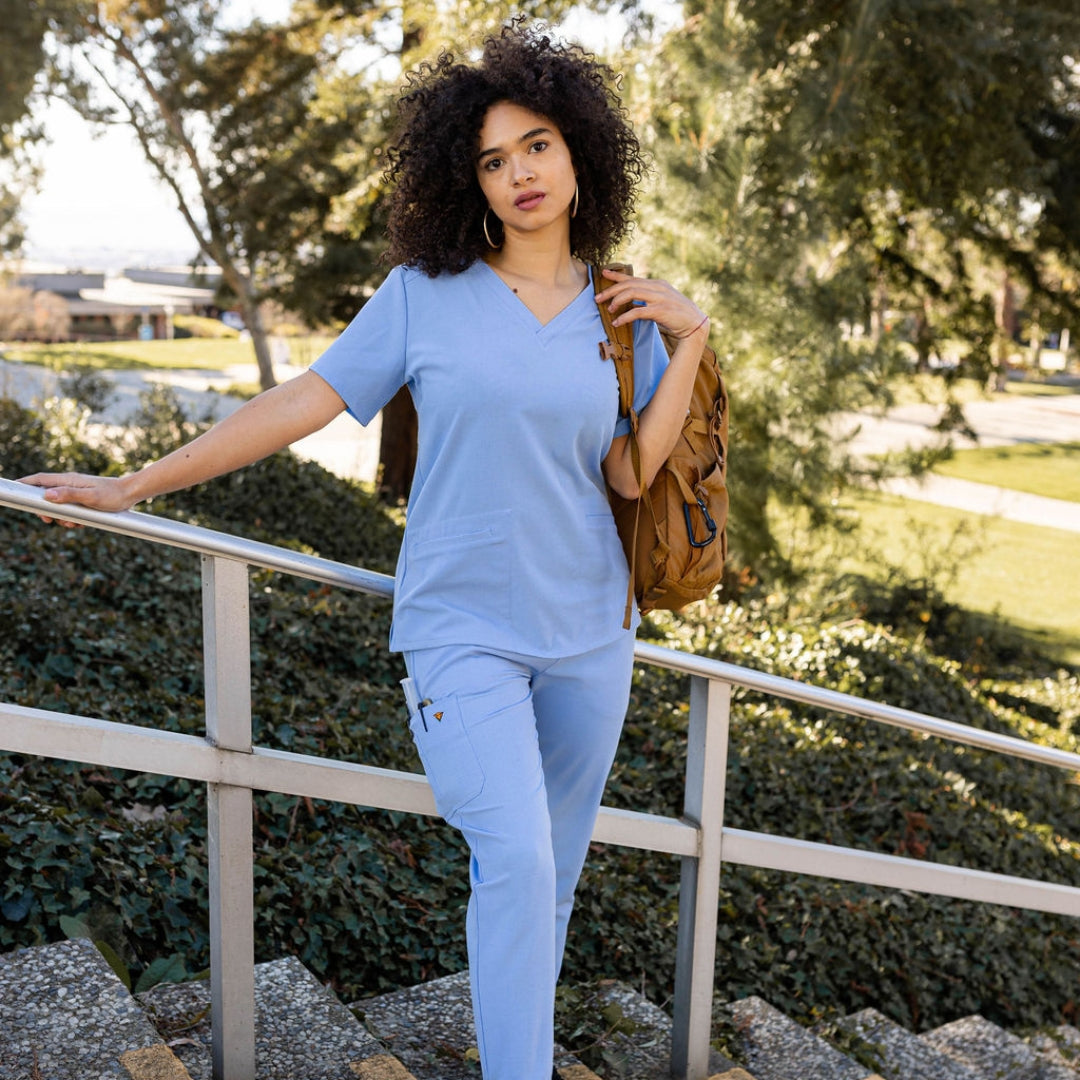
266, 556
109, 744
232, 768
833, 700
112, 745
179, 534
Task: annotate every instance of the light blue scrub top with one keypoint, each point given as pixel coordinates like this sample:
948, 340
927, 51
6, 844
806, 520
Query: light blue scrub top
509, 542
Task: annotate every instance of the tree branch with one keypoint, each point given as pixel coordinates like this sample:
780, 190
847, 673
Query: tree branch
172, 121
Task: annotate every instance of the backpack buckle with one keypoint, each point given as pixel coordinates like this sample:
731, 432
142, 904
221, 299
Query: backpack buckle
710, 525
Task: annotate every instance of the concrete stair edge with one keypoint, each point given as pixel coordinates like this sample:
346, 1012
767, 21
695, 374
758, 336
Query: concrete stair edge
430, 1028
302, 1029
1060, 1045
65, 1012
899, 1054
994, 1053
57, 997
778, 1048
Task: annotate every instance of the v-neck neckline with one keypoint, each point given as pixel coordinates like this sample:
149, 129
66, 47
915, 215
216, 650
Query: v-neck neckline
513, 302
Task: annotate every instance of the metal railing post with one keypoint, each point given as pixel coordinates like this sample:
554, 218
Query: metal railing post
227, 652
699, 888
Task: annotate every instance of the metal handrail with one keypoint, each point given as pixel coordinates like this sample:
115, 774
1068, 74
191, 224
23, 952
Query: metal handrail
232, 768
197, 538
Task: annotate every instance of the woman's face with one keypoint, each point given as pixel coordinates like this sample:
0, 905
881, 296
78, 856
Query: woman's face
524, 168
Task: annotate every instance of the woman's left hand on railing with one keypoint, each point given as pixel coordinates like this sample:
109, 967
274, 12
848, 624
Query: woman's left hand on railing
96, 492
268, 422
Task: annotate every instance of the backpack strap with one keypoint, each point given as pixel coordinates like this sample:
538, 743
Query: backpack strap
619, 347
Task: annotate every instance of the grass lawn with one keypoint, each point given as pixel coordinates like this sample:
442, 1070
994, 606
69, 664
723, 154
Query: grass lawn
1051, 469
207, 354
1027, 575
932, 389
1041, 389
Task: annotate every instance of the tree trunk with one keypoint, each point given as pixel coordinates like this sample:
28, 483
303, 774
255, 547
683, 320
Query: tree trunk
249, 308
878, 311
397, 446
1005, 320
924, 338
397, 442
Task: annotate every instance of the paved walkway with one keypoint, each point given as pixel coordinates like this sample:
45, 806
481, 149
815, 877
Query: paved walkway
986, 499
350, 450
999, 421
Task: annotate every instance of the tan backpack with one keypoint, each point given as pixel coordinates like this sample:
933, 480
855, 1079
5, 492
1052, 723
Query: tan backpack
677, 547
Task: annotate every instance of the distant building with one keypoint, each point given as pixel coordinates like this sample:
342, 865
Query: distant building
137, 302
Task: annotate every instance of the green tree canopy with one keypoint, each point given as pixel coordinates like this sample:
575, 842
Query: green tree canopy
225, 117
829, 169
23, 26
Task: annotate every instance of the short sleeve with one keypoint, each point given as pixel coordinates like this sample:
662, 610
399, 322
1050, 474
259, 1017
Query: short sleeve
650, 363
366, 364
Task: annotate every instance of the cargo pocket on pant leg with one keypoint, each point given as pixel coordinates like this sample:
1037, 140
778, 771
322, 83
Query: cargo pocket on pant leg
450, 762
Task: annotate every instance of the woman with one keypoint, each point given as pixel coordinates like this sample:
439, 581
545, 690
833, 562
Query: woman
509, 175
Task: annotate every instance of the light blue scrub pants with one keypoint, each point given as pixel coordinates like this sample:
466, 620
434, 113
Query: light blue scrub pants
517, 750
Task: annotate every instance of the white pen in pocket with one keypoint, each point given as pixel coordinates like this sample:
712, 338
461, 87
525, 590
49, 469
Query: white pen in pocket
412, 701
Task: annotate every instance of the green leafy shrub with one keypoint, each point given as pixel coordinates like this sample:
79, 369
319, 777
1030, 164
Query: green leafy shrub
52, 440
87, 386
97, 624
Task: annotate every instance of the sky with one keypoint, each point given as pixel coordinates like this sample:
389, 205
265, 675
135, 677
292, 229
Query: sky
99, 202
100, 207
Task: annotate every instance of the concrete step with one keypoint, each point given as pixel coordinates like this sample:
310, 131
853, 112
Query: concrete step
777, 1048
1060, 1045
65, 1015
302, 1031
430, 1028
993, 1053
899, 1054
645, 1052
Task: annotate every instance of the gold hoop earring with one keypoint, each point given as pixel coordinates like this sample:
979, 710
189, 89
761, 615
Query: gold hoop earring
487, 235
574, 204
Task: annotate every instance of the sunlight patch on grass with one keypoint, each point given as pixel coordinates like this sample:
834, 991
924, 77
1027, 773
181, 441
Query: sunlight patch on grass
198, 354
1034, 388
934, 389
1050, 469
190, 353
1029, 576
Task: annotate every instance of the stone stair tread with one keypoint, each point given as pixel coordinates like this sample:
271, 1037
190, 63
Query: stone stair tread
899, 1054
777, 1048
1060, 1045
430, 1028
302, 1030
646, 1053
993, 1052
65, 1015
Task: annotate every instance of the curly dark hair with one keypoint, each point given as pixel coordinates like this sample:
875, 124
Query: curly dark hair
436, 205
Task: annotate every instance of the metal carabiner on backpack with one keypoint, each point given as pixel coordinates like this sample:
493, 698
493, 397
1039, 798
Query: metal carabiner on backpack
709, 524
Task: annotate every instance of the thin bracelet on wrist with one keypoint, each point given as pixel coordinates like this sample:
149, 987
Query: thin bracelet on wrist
689, 333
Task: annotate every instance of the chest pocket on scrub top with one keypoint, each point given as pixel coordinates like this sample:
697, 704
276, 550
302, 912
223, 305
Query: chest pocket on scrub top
461, 564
